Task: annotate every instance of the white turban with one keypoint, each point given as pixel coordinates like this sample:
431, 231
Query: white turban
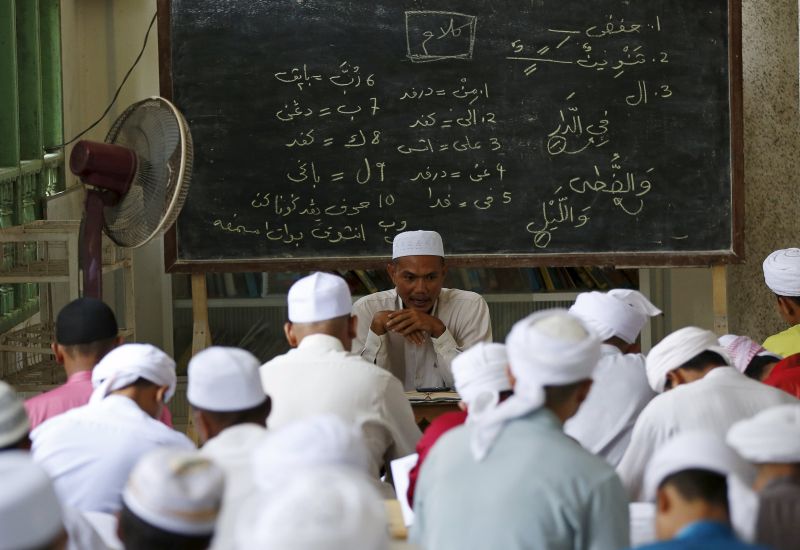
480, 375
741, 350
676, 349
549, 348
125, 364
782, 272
224, 379
417, 243
771, 436
323, 440
692, 450
177, 491
319, 297
14, 422
324, 509
619, 312
30, 514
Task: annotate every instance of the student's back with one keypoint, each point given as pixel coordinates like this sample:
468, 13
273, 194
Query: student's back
782, 276
714, 403
537, 488
320, 377
89, 451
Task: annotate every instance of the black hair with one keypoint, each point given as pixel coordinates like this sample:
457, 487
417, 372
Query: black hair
558, 395
97, 349
704, 360
23, 443
226, 419
757, 367
794, 299
137, 534
616, 341
698, 484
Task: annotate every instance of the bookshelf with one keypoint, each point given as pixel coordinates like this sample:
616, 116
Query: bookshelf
240, 288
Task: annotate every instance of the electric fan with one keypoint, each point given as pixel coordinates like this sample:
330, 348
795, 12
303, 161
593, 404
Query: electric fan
137, 181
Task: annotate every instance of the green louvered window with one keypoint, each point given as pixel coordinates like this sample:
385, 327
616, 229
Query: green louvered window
31, 124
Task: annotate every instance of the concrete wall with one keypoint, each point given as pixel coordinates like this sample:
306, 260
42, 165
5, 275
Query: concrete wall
772, 158
100, 40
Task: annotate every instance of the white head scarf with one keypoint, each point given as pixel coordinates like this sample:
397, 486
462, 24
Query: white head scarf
125, 364
741, 350
176, 490
782, 272
549, 348
14, 422
692, 450
620, 312
322, 440
480, 375
30, 514
324, 509
771, 436
676, 349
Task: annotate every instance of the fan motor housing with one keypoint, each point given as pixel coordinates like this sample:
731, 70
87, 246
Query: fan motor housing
104, 165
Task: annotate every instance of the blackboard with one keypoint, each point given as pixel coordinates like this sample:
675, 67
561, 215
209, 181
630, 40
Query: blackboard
527, 132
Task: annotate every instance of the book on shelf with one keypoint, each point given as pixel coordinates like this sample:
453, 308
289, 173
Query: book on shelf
511, 280
366, 280
535, 279
549, 284
229, 285
598, 278
251, 282
586, 280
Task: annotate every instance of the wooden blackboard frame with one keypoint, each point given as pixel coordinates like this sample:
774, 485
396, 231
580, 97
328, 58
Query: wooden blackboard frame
736, 254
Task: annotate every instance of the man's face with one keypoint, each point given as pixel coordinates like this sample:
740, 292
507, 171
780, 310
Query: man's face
418, 280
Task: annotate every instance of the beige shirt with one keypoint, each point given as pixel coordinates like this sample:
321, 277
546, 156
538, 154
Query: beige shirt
714, 403
465, 316
231, 450
320, 377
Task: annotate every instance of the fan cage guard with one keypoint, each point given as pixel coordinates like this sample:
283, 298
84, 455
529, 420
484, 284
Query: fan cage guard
160, 136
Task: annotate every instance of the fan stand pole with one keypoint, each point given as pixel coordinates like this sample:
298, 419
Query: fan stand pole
92, 250
201, 331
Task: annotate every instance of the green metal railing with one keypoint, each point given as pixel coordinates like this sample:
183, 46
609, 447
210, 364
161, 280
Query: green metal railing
31, 123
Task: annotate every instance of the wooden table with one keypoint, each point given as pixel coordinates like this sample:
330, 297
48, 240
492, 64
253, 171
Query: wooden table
428, 406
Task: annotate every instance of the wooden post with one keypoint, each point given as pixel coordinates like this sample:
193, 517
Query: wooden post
201, 331
719, 287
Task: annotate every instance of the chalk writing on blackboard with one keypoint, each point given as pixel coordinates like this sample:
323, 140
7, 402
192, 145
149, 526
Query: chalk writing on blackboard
589, 55
439, 35
555, 126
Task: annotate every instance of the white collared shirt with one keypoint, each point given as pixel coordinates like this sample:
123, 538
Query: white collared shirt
231, 450
714, 403
89, 451
466, 319
320, 377
620, 391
